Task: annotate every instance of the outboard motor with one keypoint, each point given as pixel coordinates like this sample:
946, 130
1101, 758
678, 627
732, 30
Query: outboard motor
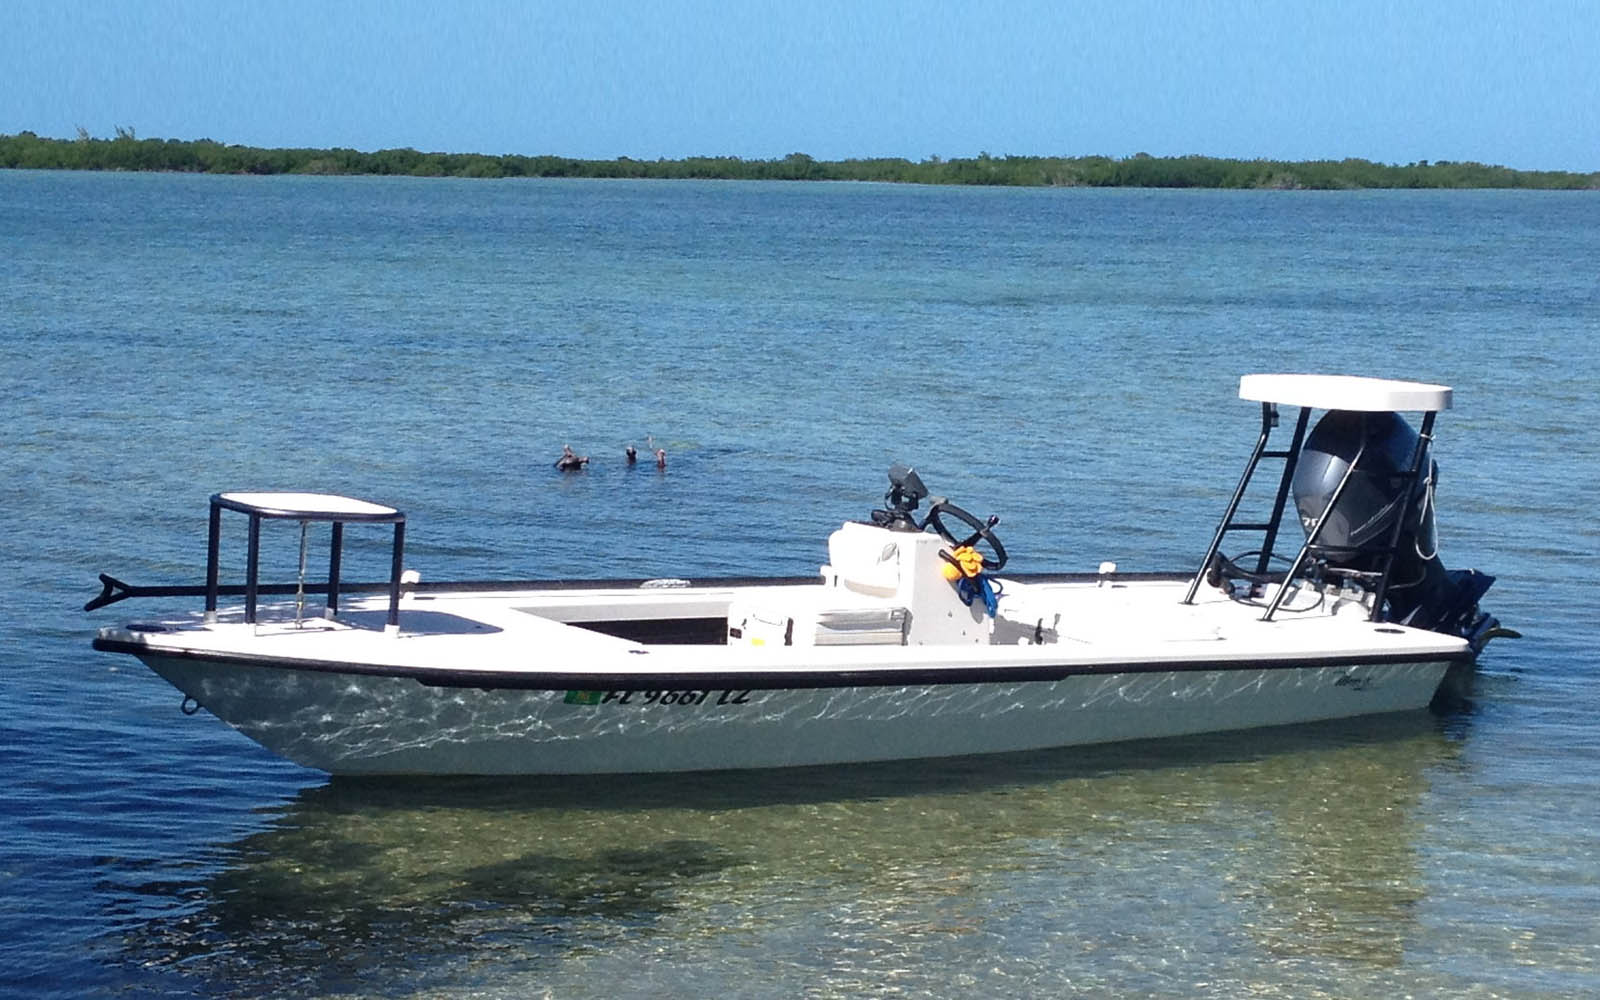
1421, 592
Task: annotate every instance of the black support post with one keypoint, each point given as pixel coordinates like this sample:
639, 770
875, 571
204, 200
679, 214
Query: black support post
335, 556
394, 574
213, 549
252, 569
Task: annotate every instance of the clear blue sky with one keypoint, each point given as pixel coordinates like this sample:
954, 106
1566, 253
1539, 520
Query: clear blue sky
1498, 81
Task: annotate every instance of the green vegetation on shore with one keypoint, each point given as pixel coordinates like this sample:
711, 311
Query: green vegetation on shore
127, 152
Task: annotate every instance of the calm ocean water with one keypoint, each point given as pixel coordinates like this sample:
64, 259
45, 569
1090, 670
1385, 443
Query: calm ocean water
1065, 359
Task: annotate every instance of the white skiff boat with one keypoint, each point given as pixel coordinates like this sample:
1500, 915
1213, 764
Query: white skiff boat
907, 644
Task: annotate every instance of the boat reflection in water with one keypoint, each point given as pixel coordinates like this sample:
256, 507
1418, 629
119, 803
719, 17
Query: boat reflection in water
1045, 871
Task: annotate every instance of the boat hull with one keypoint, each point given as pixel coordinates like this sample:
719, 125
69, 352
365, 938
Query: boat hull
367, 723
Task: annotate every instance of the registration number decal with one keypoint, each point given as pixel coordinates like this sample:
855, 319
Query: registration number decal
727, 697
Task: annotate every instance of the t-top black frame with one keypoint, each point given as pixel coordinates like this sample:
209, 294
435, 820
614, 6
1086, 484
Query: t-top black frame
1269, 528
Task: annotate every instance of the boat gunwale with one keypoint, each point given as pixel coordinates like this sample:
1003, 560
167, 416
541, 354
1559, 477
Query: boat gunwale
778, 679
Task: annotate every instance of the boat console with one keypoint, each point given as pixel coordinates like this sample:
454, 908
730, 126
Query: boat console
885, 582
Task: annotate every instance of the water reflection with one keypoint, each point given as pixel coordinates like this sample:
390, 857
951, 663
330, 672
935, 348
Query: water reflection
1055, 867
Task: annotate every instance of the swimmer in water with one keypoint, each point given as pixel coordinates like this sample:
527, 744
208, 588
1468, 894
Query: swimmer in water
632, 453
570, 461
661, 458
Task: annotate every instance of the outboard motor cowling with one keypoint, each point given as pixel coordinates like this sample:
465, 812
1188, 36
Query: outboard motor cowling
1382, 447
1364, 518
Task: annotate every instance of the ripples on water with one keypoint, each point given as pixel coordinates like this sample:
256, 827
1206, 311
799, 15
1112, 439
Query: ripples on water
1067, 359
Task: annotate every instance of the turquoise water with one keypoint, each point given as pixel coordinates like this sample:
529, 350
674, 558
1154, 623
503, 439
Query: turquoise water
1065, 359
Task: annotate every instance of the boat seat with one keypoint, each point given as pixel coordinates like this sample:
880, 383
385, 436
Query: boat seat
860, 559
832, 616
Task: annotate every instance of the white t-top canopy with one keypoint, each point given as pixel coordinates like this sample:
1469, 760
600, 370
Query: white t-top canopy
1344, 392
317, 506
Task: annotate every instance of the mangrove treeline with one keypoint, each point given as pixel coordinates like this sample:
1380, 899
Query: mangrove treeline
127, 152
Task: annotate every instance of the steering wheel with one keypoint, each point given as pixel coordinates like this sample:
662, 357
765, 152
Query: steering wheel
981, 531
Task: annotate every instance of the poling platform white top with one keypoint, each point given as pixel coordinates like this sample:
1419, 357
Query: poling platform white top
1345, 392
317, 506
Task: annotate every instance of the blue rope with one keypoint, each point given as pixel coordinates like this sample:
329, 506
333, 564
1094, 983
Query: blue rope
970, 587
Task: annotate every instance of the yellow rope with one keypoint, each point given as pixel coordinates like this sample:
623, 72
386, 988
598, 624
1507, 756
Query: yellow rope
971, 561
